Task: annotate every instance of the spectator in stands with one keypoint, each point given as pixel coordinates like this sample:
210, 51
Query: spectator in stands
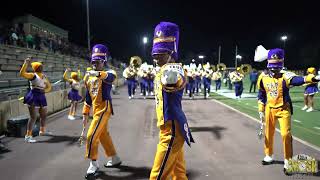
35, 98
253, 79
21, 40
14, 38
37, 41
30, 41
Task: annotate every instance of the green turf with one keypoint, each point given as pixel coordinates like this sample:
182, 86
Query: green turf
304, 129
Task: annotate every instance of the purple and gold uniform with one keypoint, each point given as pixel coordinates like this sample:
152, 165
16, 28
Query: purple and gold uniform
131, 73
35, 97
216, 76
73, 94
39, 85
311, 88
236, 78
169, 84
206, 78
99, 98
274, 101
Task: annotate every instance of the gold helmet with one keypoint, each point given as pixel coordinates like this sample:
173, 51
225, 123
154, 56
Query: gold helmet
245, 69
135, 61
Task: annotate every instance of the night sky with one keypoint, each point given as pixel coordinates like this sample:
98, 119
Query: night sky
204, 25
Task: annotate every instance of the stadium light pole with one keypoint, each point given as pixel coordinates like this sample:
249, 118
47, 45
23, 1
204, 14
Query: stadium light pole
144, 41
88, 26
237, 57
284, 38
201, 57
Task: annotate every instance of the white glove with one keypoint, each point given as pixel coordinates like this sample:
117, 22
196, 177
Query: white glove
169, 77
317, 78
93, 73
262, 116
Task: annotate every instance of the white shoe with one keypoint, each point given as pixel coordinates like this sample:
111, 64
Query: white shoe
93, 167
208, 95
267, 160
71, 118
304, 108
115, 161
141, 94
151, 93
147, 93
29, 139
130, 97
310, 109
144, 97
286, 164
199, 90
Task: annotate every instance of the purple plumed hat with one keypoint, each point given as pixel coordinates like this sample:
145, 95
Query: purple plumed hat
99, 53
166, 39
275, 58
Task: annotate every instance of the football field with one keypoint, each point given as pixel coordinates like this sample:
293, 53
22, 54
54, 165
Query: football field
305, 125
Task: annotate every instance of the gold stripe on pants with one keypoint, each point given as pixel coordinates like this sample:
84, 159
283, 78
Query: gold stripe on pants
98, 132
169, 160
283, 115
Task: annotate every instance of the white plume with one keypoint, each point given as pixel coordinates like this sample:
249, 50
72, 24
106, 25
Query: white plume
260, 54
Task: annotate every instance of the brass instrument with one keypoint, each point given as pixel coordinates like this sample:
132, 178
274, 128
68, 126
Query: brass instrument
213, 68
245, 69
135, 61
221, 67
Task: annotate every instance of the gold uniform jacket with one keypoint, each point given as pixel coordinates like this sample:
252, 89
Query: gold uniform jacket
168, 100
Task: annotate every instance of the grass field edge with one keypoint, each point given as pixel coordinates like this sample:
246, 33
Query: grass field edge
258, 121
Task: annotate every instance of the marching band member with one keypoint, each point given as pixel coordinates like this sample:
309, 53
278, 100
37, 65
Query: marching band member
236, 78
98, 96
216, 76
35, 98
186, 69
73, 94
275, 104
191, 81
206, 78
310, 90
151, 76
169, 84
198, 79
144, 80
130, 73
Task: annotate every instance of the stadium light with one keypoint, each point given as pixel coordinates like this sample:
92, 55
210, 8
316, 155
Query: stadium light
239, 57
201, 56
145, 40
284, 39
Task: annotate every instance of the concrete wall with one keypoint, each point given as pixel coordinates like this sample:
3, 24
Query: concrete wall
57, 101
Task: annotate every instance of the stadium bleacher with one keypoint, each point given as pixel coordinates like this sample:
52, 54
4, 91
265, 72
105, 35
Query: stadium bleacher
12, 58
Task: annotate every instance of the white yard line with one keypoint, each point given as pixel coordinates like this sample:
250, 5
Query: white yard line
297, 121
258, 121
317, 128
